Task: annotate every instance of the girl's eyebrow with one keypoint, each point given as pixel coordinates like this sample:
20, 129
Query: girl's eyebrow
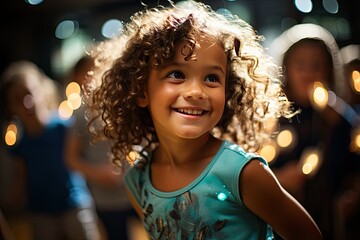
175, 64
217, 67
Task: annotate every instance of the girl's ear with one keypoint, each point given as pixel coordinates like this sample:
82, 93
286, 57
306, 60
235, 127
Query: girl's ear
142, 101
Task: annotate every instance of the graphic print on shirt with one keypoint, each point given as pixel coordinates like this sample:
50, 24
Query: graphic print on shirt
183, 221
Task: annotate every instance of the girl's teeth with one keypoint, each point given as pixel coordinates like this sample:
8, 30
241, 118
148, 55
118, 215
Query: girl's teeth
191, 111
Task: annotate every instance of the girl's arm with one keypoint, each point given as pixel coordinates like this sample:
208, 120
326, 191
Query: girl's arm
263, 195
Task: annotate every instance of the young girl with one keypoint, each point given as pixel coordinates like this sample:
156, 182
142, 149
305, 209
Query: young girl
177, 83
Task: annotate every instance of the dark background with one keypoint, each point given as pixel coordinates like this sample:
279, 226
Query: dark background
27, 31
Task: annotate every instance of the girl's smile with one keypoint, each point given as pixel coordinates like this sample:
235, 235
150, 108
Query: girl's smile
191, 112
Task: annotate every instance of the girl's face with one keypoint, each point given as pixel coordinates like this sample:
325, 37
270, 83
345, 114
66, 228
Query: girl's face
306, 64
186, 99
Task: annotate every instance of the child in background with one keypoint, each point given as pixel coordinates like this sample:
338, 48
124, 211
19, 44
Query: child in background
58, 200
347, 202
92, 160
309, 58
181, 88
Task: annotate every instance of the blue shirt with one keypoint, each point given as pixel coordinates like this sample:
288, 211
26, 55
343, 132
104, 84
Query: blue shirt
208, 208
51, 186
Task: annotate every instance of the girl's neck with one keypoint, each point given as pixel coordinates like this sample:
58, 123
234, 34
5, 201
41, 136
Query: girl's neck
184, 151
176, 164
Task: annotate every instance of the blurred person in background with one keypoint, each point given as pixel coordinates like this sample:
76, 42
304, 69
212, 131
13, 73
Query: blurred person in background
347, 203
314, 165
59, 203
92, 159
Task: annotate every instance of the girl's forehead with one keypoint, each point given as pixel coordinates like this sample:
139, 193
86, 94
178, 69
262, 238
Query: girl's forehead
205, 53
199, 42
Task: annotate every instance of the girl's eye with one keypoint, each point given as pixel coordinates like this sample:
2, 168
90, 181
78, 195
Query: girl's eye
176, 75
212, 78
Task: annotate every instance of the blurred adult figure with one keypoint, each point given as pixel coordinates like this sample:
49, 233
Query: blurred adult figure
92, 159
315, 164
58, 199
347, 203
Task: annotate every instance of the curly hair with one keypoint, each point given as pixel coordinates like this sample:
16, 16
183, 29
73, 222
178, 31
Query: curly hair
253, 92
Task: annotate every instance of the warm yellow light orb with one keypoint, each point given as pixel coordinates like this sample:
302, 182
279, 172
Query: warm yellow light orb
10, 138
75, 100
65, 109
356, 80
284, 138
320, 95
357, 140
268, 152
310, 162
357, 86
72, 87
307, 168
312, 159
12, 127
355, 75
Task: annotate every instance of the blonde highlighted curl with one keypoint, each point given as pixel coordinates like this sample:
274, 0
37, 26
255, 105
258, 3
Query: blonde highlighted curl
253, 95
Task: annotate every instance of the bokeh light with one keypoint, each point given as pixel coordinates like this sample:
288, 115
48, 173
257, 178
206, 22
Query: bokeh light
10, 138
268, 151
34, 2
310, 161
28, 101
66, 29
11, 134
65, 109
310, 164
112, 28
356, 81
304, 6
72, 87
75, 100
320, 95
12, 127
331, 6
284, 138
355, 140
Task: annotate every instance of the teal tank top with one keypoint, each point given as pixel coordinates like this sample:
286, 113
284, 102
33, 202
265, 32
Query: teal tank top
208, 208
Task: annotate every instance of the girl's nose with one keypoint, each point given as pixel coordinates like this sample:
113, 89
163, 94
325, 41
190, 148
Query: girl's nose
194, 91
